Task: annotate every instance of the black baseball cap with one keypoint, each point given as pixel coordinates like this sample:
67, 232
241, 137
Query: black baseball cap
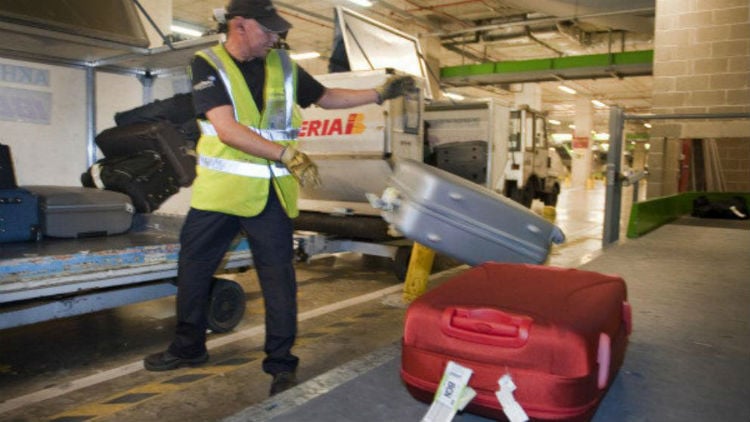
260, 10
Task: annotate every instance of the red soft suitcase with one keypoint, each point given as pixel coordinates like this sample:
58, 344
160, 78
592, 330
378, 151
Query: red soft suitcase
560, 333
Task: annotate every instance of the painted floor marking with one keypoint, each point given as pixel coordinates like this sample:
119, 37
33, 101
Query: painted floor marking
74, 385
139, 394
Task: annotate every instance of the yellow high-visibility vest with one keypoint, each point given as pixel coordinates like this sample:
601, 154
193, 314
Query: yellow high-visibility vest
234, 182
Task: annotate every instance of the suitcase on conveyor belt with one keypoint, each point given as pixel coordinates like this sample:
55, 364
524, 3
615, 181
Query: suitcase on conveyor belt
162, 137
19, 215
560, 334
143, 176
462, 219
75, 212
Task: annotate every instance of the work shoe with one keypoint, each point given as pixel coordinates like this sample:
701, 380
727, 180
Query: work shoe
282, 382
165, 361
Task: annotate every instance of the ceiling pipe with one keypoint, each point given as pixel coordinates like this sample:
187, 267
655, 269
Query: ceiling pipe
407, 15
542, 21
542, 43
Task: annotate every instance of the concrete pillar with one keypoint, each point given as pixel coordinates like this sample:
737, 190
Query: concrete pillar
582, 142
530, 95
639, 156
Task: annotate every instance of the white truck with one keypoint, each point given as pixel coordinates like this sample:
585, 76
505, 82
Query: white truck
502, 148
353, 147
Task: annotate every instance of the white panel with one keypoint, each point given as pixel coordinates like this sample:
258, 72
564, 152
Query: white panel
53, 153
115, 93
372, 45
448, 126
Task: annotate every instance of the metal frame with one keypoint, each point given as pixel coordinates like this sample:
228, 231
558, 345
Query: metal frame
67, 293
58, 291
312, 243
617, 118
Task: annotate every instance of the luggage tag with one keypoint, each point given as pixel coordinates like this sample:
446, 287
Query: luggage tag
512, 409
452, 395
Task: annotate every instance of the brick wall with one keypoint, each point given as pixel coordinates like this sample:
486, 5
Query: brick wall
734, 154
702, 60
701, 65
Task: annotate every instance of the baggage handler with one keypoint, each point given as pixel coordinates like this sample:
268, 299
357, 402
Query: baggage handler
246, 97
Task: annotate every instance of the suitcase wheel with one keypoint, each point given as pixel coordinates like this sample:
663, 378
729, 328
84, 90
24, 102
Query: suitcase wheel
226, 306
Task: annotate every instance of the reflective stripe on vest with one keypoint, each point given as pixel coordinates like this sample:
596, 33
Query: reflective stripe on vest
219, 66
240, 168
271, 134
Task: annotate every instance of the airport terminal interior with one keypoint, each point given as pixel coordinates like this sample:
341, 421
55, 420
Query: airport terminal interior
624, 127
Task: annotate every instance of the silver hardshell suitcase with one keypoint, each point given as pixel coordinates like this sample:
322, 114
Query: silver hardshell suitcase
462, 219
75, 212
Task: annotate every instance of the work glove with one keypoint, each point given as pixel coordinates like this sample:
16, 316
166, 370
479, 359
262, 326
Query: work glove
395, 86
301, 166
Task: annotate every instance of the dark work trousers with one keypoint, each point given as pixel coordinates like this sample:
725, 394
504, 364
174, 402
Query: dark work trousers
204, 240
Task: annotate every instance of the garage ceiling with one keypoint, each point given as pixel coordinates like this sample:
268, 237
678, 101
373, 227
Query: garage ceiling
464, 32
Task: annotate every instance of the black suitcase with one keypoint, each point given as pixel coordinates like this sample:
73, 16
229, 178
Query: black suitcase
19, 216
143, 176
177, 109
77, 212
7, 173
162, 137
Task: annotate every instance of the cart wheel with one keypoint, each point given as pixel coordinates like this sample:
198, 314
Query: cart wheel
550, 199
401, 262
527, 194
227, 305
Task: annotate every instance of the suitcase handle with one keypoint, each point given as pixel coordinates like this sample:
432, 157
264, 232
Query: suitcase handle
486, 326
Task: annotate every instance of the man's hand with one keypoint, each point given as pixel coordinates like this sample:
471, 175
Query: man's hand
395, 86
301, 167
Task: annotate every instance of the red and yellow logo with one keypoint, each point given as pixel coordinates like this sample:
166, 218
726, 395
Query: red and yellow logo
354, 125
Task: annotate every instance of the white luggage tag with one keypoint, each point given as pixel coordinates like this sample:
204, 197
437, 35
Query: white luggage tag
452, 395
512, 409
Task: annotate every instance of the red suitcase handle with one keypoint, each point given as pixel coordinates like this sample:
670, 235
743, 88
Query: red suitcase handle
486, 326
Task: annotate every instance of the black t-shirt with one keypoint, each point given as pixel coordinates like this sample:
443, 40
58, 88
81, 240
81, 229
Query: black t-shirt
209, 90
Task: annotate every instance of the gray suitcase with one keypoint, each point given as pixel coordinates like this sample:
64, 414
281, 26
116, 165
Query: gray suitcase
74, 212
462, 219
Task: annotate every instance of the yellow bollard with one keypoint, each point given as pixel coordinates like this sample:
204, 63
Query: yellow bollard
590, 183
549, 213
420, 266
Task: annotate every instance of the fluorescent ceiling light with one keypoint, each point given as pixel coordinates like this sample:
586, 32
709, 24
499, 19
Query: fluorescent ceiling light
598, 103
190, 32
453, 96
363, 3
305, 56
567, 89
562, 137
572, 126
554, 122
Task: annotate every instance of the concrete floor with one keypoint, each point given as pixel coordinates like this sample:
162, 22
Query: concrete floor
89, 367
688, 357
